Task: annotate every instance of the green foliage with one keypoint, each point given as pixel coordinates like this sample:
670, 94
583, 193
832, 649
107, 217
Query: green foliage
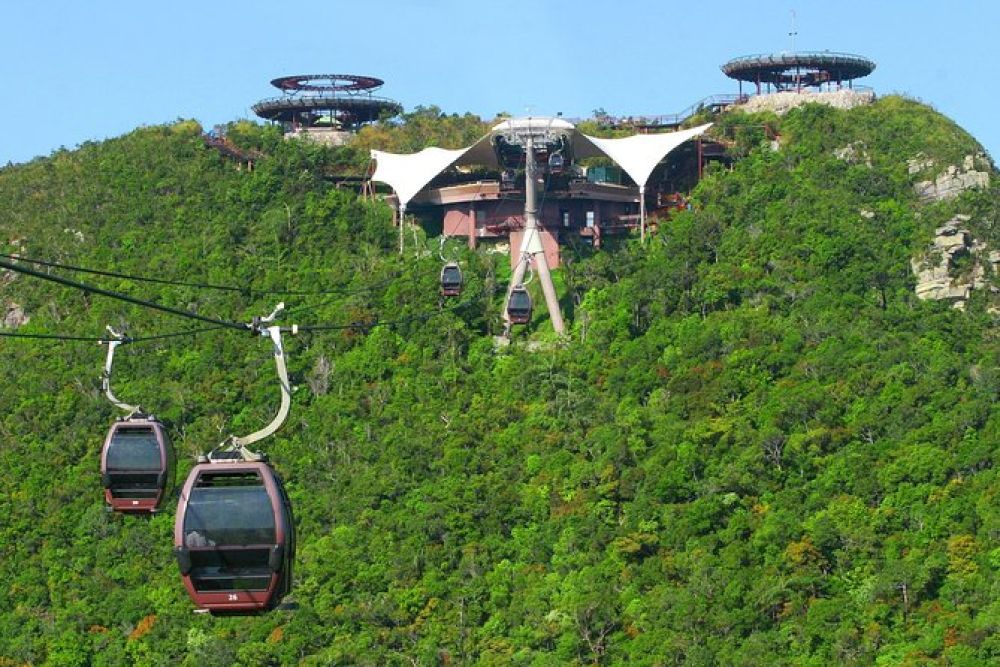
757, 448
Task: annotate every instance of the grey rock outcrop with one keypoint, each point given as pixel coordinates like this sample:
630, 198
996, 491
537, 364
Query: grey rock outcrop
14, 316
934, 271
973, 173
854, 153
918, 163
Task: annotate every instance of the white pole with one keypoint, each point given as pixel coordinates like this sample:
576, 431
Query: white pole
642, 213
531, 230
402, 218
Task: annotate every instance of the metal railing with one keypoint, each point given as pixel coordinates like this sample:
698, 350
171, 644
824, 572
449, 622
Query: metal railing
710, 103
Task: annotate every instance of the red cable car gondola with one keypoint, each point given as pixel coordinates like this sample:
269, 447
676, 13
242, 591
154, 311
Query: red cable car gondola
234, 534
451, 280
137, 465
137, 461
234, 537
519, 306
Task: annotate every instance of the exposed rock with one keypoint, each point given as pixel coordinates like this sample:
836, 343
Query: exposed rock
14, 316
955, 180
950, 238
918, 163
934, 270
783, 102
76, 233
854, 153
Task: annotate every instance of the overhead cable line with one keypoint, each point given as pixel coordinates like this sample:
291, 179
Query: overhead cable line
380, 323
60, 337
175, 334
122, 297
181, 283
107, 339
219, 324
326, 302
113, 274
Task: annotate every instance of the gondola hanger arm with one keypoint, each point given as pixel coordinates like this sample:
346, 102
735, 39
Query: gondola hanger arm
526, 258
274, 333
113, 343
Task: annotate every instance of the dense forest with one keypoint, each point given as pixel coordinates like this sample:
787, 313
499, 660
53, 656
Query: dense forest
756, 446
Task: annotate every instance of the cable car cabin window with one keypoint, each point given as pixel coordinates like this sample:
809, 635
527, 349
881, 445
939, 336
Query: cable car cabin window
229, 516
134, 485
134, 464
520, 301
134, 449
230, 569
229, 528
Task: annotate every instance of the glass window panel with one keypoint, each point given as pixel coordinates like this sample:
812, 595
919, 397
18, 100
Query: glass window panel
134, 449
229, 516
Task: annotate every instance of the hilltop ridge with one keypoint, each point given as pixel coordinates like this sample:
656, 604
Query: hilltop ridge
758, 445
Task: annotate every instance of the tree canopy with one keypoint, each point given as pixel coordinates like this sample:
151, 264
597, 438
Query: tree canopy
757, 446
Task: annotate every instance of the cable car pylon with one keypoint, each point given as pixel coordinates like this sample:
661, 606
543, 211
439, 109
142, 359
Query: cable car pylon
532, 249
234, 534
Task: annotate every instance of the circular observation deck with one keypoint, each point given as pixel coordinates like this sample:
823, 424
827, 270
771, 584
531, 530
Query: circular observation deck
800, 69
344, 100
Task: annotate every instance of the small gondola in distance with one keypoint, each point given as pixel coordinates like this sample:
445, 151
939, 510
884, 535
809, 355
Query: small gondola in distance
519, 306
234, 537
451, 280
137, 465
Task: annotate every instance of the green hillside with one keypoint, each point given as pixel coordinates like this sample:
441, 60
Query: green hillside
757, 446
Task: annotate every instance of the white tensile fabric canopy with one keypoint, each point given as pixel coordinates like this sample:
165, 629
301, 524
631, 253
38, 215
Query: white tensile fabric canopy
407, 174
639, 154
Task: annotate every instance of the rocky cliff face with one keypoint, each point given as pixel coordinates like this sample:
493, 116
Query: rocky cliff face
954, 264
972, 173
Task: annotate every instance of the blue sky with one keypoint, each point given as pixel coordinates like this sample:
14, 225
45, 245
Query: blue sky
78, 71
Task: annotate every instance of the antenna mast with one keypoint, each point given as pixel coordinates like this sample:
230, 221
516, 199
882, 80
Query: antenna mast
794, 31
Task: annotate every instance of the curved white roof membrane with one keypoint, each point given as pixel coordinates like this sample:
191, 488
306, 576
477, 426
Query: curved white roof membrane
638, 155
408, 173
540, 123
